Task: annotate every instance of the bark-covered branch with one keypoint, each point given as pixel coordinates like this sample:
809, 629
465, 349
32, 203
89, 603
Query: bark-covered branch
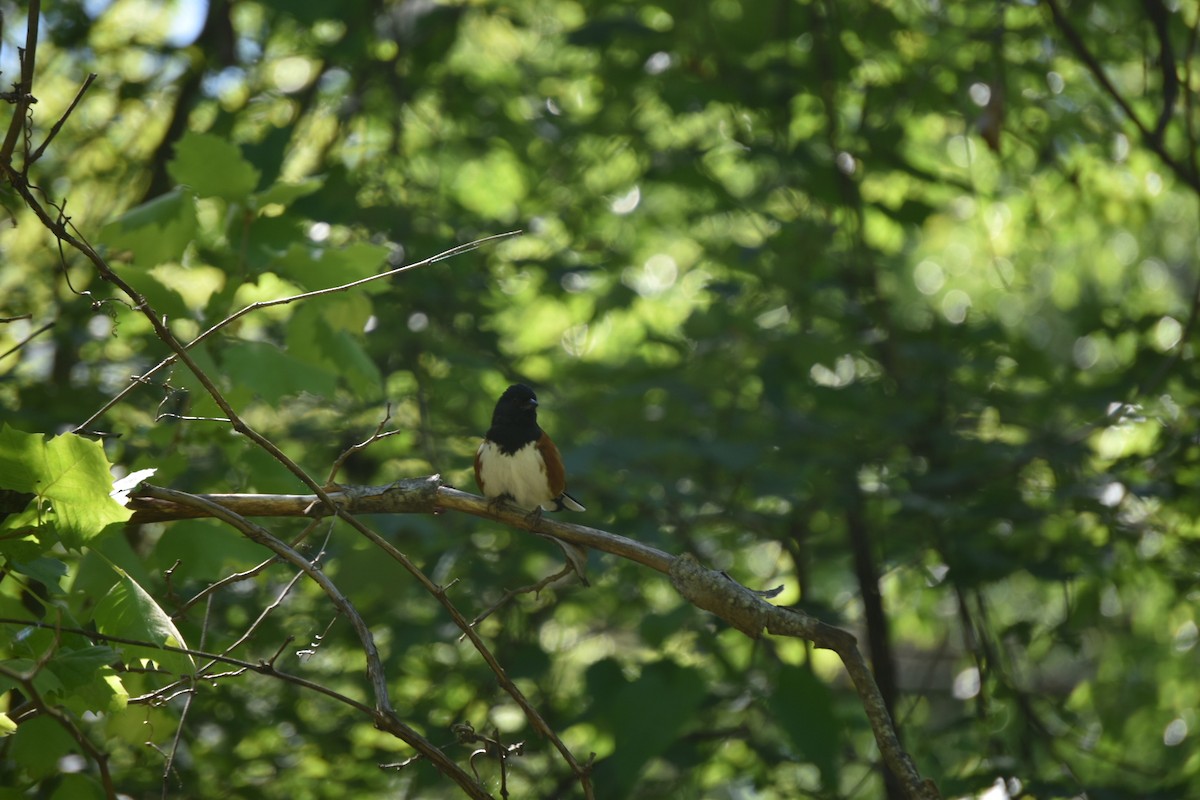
713, 591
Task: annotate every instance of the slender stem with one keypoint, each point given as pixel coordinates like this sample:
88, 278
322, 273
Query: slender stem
171, 359
24, 98
582, 771
384, 714
29, 688
27, 340
1155, 143
62, 120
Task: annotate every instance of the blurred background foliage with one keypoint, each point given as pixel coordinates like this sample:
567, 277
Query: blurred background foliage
890, 302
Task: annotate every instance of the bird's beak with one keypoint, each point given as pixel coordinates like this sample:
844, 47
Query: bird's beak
531, 404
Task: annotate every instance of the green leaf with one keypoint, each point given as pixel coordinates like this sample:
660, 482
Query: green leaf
329, 335
12, 608
7, 726
155, 232
320, 267
44, 680
38, 744
130, 612
803, 706
645, 716
18, 541
94, 576
18, 453
492, 186
273, 374
89, 682
284, 193
75, 667
204, 548
78, 786
79, 678
47, 571
162, 298
212, 167
268, 239
361, 374
69, 471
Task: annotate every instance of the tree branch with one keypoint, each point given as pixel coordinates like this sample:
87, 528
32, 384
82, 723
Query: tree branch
27, 339
261, 668
384, 715
743, 608
582, 771
1153, 141
171, 359
1160, 20
62, 120
423, 497
21, 94
29, 689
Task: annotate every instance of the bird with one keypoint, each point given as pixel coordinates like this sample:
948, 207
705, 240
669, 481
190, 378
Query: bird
517, 461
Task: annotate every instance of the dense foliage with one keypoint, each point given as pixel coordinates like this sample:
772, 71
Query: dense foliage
892, 303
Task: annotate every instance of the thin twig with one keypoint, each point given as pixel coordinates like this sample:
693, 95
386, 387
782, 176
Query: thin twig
238, 577
185, 418
262, 617
171, 359
751, 614
27, 339
1155, 143
384, 715
511, 594
189, 693
744, 608
58, 125
379, 433
582, 770
22, 91
261, 668
30, 690
58, 228
278, 601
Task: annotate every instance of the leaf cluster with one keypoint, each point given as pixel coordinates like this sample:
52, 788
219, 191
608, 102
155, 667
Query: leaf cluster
891, 303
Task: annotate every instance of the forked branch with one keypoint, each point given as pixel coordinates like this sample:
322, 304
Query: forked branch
743, 608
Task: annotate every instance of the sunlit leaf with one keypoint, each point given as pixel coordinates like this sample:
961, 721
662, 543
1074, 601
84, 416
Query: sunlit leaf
129, 612
212, 167
321, 267
491, 186
70, 472
155, 232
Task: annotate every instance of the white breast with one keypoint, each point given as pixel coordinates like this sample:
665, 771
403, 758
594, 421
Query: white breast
521, 475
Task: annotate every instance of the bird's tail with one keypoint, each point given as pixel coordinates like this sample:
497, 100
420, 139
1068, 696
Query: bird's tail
564, 500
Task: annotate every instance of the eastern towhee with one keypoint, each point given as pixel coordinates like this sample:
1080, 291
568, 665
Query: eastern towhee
517, 461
